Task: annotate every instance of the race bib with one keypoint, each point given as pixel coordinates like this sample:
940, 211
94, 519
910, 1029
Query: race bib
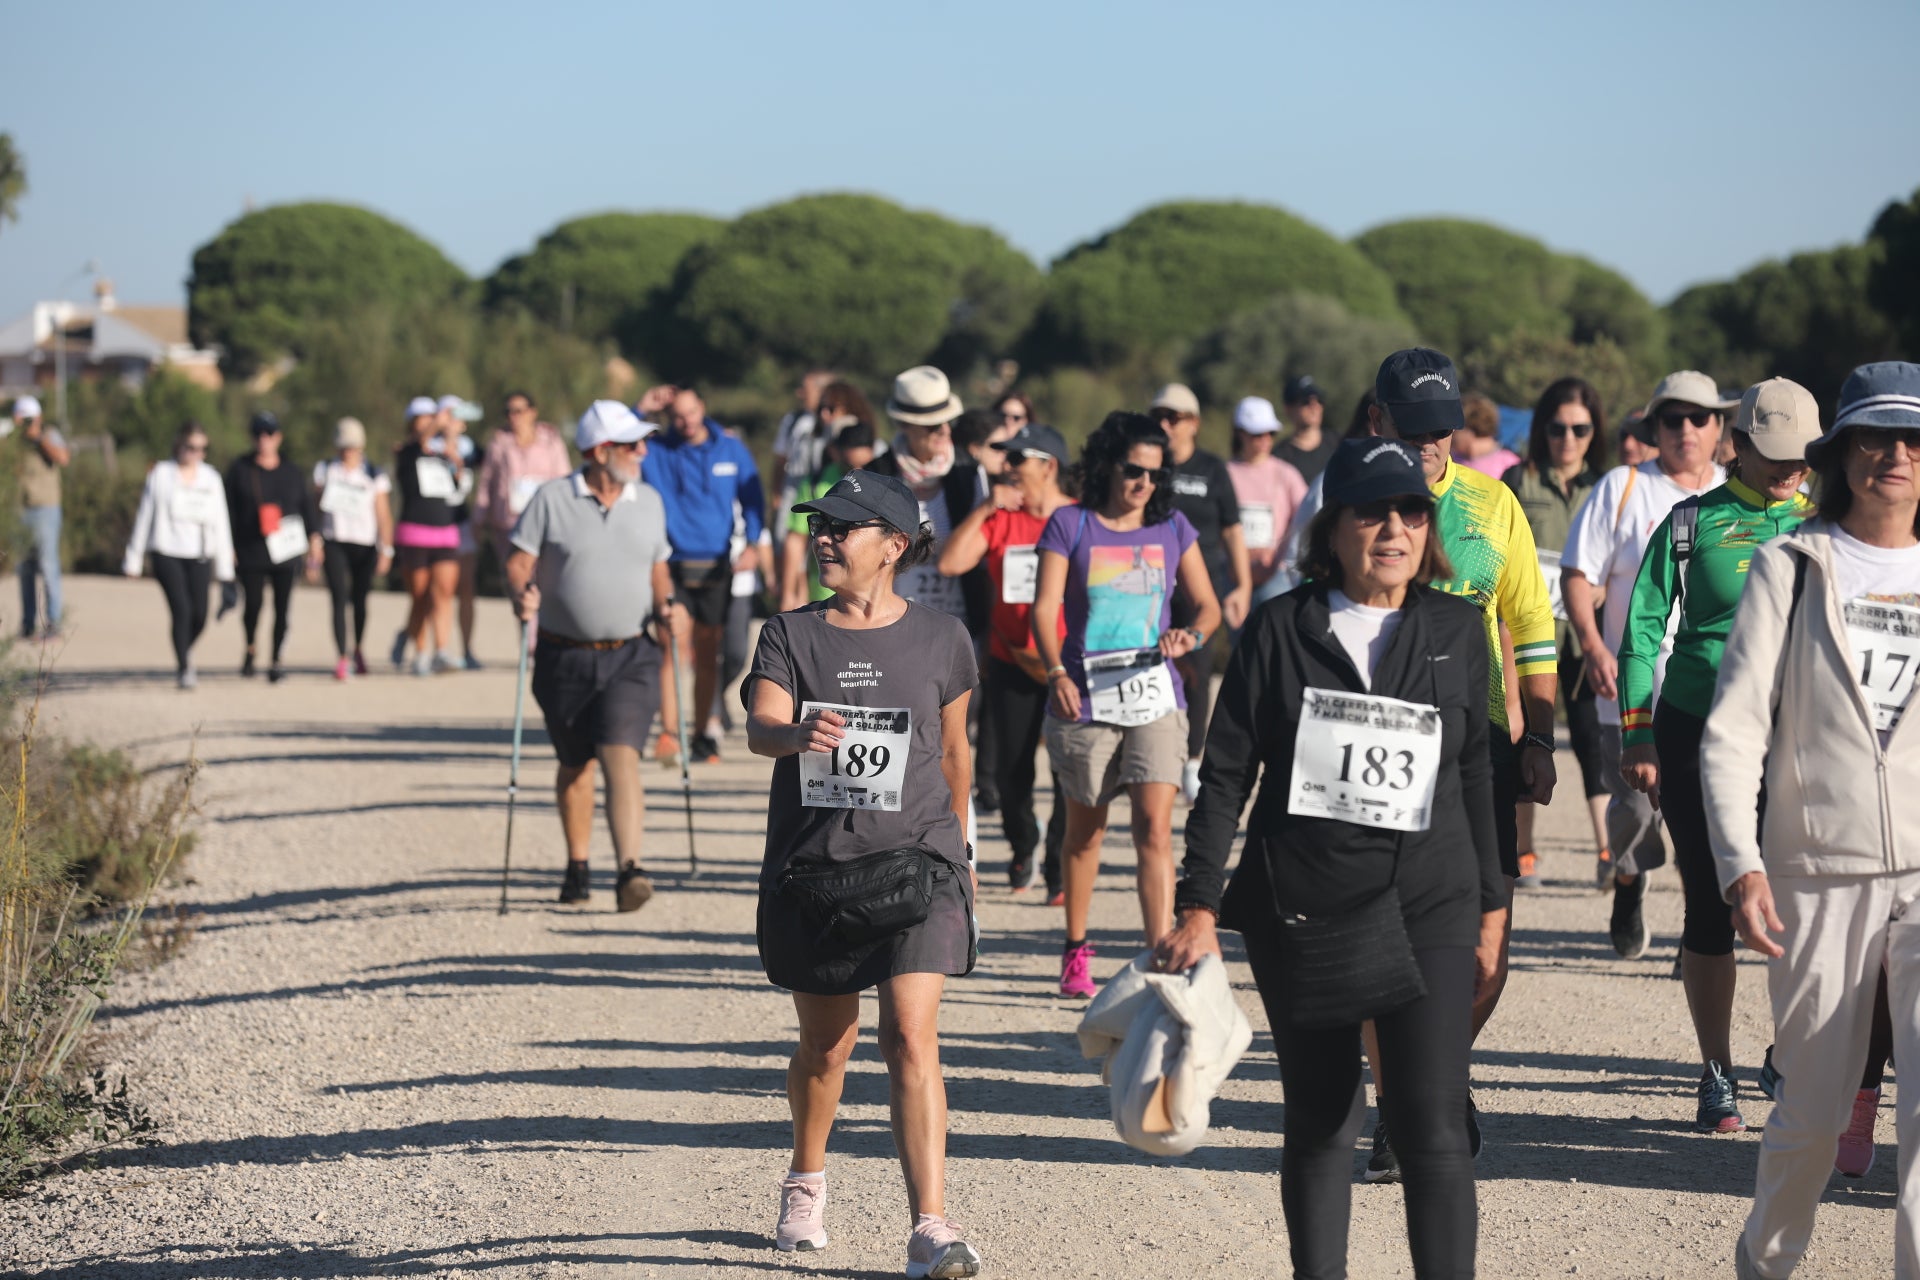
522, 493
1130, 686
1019, 575
434, 478
1365, 759
1257, 526
193, 506
868, 767
1550, 570
350, 501
1885, 639
288, 541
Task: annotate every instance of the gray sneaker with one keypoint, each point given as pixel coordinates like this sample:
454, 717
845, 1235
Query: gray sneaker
189, 677
803, 1215
936, 1250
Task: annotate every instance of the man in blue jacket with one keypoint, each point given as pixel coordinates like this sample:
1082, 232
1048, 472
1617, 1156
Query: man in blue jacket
703, 474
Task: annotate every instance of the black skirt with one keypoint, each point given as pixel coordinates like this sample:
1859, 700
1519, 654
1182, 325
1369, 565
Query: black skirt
942, 943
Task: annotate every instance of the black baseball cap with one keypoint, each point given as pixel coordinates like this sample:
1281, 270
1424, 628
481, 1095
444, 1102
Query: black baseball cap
264, 424
1372, 468
866, 495
1420, 388
1035, 437
1637, 424
1302, 389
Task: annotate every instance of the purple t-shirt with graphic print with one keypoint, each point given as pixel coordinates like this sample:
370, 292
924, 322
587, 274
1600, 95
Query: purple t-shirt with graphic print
1119, 587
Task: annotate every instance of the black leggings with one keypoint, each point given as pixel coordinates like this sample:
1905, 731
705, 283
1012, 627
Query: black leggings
349, 578
184, 583
1013, 714
253, 586
1423, 1050
1708, 930
1583, 720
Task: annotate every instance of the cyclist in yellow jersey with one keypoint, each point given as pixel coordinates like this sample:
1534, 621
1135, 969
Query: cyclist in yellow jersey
1486, 535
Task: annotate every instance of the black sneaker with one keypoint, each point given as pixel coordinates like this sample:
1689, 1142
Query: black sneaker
1719, 1109
246, 664
276, 673
1629, 924
578, 884
704, 749
1473, 1128
1020, 873
632, 890
1770, 1077
1384, 1166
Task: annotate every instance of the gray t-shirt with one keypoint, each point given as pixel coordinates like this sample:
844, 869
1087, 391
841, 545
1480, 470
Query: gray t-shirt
918, 664
595, 570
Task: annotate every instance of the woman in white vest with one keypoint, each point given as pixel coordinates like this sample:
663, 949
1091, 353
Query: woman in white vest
356, 524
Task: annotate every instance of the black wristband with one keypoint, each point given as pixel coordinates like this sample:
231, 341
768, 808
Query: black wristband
1540, 740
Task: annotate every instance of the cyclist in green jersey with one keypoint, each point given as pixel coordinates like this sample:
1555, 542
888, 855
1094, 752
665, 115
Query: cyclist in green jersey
1698, 559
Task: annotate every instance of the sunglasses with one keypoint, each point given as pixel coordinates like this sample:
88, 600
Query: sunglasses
1013, 415
1878, 442
1559, 430
193, 448
1018, 456
1413, 512
1164, 415
819, 526
1132, 471
626, 446
1676, 419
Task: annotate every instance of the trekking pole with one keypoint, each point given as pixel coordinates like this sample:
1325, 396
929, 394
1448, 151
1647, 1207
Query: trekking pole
686, 780
513, 772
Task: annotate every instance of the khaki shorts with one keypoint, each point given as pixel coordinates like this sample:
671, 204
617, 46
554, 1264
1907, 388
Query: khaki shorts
1096, 762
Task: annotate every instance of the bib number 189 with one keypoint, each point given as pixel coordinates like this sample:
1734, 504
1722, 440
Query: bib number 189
869, 767
860, 760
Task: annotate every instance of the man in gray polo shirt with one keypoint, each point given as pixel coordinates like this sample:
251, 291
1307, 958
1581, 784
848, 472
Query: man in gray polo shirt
590, 560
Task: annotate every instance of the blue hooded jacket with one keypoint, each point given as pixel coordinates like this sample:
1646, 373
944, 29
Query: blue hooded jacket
699, 484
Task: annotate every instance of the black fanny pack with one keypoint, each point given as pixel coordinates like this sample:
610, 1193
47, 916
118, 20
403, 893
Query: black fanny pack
851, 904
1345, 969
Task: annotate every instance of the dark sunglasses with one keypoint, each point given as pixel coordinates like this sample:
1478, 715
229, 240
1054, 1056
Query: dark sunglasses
1132, 471
1164, 415
1675, 420
819, 526
1427, 438
1017, 456
1559, 430
1414, 512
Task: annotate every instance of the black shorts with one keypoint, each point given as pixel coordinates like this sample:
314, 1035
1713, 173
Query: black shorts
1506, 795
410, 559
1708, 930
705, 587
596, 697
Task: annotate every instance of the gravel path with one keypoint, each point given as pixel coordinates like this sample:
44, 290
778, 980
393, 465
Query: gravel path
362, 1069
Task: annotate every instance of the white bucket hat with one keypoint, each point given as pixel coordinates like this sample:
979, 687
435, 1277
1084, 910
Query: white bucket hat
922, 397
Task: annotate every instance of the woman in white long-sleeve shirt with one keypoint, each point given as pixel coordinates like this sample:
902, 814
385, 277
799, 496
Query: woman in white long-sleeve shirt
182, 526
1812, 715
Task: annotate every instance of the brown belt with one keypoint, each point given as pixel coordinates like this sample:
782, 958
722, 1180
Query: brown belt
568, 642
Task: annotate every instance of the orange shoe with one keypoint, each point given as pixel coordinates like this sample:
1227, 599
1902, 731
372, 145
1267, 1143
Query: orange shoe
1529, 877
1603, 871
666, 750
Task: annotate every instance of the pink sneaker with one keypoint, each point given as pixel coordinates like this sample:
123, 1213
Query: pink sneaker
803, 1215
936, 1250
341, 669
1855, 1154
1076, 972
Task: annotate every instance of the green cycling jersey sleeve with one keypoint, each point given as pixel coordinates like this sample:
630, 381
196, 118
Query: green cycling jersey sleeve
1732, 521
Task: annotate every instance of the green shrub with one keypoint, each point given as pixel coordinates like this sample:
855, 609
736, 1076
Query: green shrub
1256, 351
1515, 368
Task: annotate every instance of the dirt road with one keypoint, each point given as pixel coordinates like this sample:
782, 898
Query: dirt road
363, 1070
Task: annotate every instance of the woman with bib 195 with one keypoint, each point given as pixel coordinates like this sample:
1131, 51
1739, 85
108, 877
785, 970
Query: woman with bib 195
861, 699
1117, 714
1370, 887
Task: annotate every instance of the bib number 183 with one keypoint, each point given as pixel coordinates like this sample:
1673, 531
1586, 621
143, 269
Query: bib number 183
1364, 759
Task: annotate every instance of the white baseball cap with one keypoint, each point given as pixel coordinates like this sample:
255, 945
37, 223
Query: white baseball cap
349, 433
1688, 386
1780, 417
1255, 416
422, 407
610, 422
1179, 397
26, 407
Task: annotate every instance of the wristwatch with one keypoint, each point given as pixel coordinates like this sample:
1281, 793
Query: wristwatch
1199, 636
1540, 740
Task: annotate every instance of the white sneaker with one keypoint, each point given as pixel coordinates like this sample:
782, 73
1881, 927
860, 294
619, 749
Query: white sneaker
803, 1215
1190, 781
936, 1250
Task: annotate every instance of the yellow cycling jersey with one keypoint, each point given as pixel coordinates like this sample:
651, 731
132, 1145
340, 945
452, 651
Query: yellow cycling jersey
1496, 566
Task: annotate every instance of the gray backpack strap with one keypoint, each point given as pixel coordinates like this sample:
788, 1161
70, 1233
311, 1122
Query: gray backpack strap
1684, 525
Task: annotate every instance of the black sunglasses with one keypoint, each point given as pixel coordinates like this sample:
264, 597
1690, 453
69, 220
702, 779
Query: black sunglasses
1426, 438
819, 526
1133, 471
1558, 430
1676, 420
1414, 512
1164, 415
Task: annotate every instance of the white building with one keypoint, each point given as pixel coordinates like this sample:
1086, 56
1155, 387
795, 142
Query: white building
105, 340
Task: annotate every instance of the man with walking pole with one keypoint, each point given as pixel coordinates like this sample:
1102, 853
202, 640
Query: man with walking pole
578, 558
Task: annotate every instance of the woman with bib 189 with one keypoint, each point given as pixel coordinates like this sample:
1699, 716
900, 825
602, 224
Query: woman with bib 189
1370, 887
861, 699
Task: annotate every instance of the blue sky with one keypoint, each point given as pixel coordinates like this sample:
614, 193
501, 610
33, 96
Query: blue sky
1677, 142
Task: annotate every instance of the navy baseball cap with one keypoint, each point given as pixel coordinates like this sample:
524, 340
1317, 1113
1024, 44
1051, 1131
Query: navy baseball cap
1420, 389
1373, 468
865, 495
1036, 437
1302, 389
264, 424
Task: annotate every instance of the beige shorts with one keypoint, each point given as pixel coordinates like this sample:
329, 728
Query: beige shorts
1096, 762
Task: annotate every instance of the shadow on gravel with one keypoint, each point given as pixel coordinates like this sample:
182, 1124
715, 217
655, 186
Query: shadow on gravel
247, 1261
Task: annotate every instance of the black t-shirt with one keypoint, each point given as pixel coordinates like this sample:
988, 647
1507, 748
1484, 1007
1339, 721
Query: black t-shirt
1309, 462
442, 504
1203, 493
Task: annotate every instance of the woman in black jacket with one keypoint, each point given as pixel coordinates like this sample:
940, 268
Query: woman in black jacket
1362, 694
276, 529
